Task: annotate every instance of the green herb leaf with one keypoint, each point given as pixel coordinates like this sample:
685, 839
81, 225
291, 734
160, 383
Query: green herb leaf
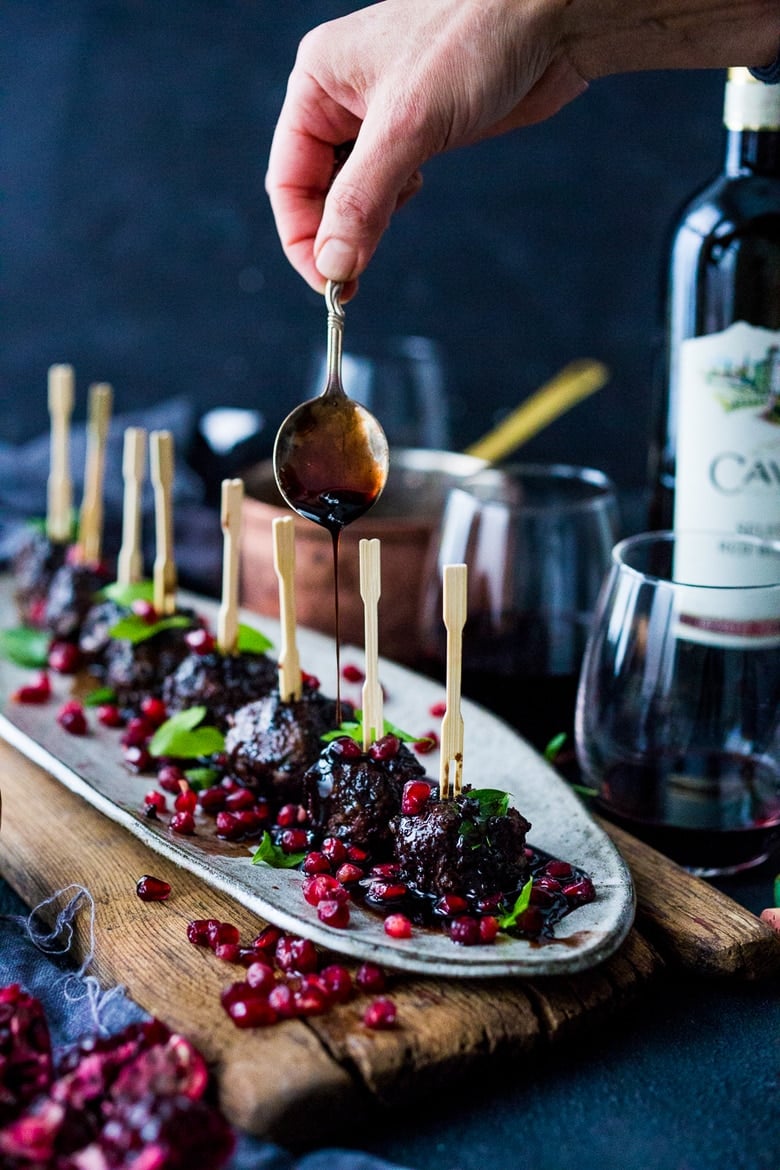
200, 778
777, 890
521, 904
251, 641
553, 749
269, 854
99, 696
492, 802
181, 737
133, 628
355, 731
24, 646
127, 594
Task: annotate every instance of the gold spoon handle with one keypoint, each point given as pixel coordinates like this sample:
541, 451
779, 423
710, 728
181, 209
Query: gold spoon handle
335, 336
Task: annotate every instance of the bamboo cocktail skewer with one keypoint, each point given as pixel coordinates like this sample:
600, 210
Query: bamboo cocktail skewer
227, 619
161, 452
59, 489
290, 681
130, 560
451, 765
370, 589
91, 513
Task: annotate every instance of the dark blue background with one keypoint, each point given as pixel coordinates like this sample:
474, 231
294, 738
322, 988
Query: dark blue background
137, 242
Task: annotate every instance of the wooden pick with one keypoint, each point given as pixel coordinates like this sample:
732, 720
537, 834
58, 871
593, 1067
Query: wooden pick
290, 682
130, 561
161, 452
59, 487
370, 589
455, 582
227, 620
91, 513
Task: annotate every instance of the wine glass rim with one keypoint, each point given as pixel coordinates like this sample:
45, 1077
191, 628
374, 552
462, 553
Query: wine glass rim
600, 488
669, 536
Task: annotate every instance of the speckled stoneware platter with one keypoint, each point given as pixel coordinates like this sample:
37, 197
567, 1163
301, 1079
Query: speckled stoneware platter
494, 756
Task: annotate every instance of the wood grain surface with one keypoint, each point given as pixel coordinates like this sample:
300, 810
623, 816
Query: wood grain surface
326, 1067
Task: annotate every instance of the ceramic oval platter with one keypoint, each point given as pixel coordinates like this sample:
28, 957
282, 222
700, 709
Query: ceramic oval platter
494, 756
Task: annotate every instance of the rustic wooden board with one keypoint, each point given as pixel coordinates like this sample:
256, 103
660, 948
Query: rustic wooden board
326, 1068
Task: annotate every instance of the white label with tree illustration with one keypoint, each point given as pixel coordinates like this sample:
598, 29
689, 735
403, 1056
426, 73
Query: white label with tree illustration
728, 433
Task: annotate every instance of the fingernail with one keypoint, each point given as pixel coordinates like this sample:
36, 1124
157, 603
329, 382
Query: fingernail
336, 260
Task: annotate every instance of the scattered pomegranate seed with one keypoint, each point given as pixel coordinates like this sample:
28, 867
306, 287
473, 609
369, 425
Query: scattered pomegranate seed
334, 849
530, 921
488, 928
438, 710
290, 815
551, 884
558, 869
380, 1015
187, 800
315, 862
426, 743
144, 610
451, 905
37, 692
152, 889
229, 826
465, 930
380, 891
154, 710
386, 748
267, 939
356, 854
293, 840
414, 797
349, 872
109, 715
369, 977
386, 869
181, 822
282, 1000
241, 798
156, 800
72, 719
137, 759
346, 747
169, 777
580, 891
310, 1001
352, 674
398, 926
64, 657
333, 913
212, 800
338, 981
198, 931
260, 977
317, 887
310, 681
541, 897
229, 952
138, 732
251, 1012
200, 641
296, 954
219, 933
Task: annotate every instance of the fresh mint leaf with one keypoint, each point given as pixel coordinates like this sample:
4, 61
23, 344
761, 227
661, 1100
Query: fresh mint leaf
99, 696
777, 890
521, 905
269, 854
200, 778
24, 646
127, 594
492, 801
251, 641
553, 749
181, 737
354, 729
135, 629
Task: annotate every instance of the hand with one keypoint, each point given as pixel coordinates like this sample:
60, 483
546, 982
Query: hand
403, 80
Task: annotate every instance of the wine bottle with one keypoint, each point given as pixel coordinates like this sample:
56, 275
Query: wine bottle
716, 464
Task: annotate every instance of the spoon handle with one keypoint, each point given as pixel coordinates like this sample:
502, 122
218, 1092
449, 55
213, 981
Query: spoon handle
335, 336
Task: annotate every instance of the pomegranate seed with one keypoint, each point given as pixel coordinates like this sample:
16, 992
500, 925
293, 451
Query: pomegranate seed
212, 800
488, 929
293, 840
426, 743
234, 991
318, 887
579, 892
154, 710
551, 884
247, 956
380, 1014
310, 1001
137, 733
541, 897
346, 748
72, 719
386, 748
262, 810
335, 850
558, 869
315, 863
356, 854
144, 610
349, 872
156, 800
169, 777
352, 674
290, 815
137, 759
282, 1000
219, 933
451, 905
38, 692
200, 641
414, 797
333, 913
310, 681
152, 889
338, 981
260, 977
296, 954
398, 926
64, 657
230, 952
379, 891
181, 822
198, 931
229, 826
187, 800
490, 904
530, 921
369, 977
438, 710
230, 784
248, 822
267, 939
251, 1012
465, 930
241, 798
386, 869
109, 715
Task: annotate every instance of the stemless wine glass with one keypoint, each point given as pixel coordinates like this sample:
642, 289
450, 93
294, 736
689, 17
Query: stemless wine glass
537, 540
678, 710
